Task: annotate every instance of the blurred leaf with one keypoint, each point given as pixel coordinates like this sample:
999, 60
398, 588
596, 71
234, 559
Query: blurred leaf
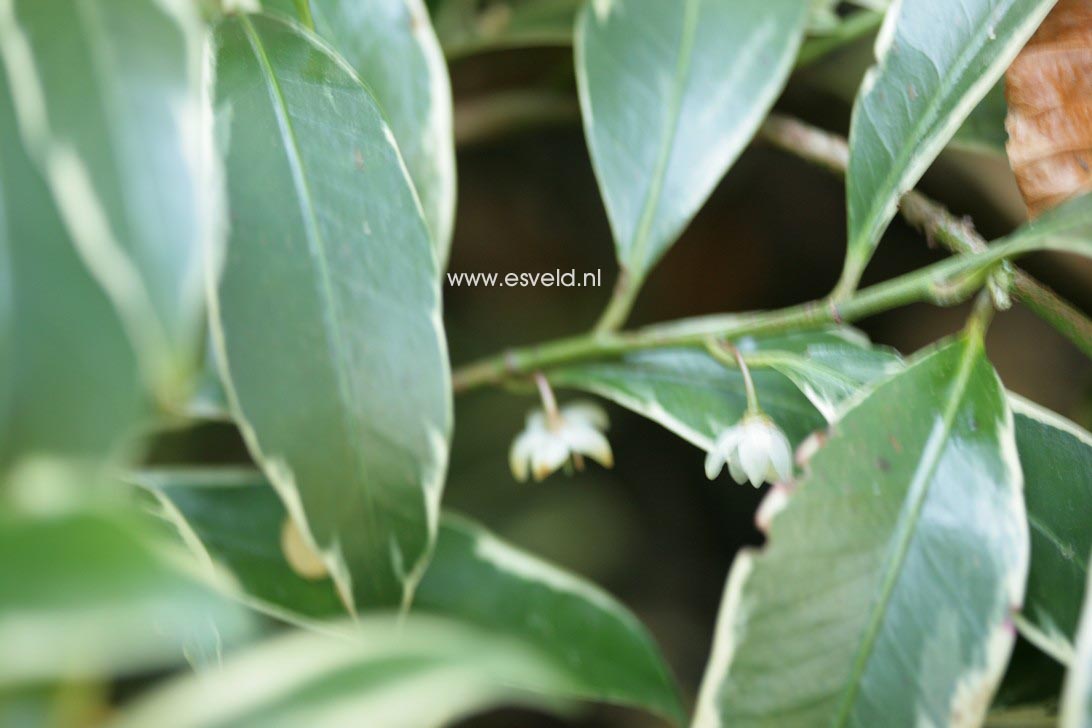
601, 649
109, 102
885, 591
209, 400
328, 308
1056, 456
834, 34
62, 332
471, 26
235, 518
1077, 692
393, 48
671, 93
66, 705
88, 594
411, 672
1036, 716
984, 128
936, 63
697, 397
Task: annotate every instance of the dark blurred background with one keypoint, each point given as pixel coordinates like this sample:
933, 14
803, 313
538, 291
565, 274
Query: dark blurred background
653, 530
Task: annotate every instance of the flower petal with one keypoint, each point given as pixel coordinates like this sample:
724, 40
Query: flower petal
736, 470
536, 420
780, 456
519, 455
728, 440
549, 453
714, 463
587, 440
754, 453
586, 412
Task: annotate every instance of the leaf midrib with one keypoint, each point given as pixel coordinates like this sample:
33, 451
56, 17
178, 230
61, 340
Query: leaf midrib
332, 317
907, 526
637, 256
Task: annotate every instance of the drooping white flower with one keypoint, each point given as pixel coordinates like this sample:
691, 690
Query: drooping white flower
548, 442
754, 449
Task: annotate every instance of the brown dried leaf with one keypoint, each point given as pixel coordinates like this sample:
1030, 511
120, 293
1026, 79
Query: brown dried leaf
1049, 92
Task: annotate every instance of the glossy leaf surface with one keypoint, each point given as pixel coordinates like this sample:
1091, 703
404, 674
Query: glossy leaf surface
86, 594
697, 397
393, 48
937, 60
828, 367
885, 591
327, 311
670, 94
109, 102
1056, 456
600, 648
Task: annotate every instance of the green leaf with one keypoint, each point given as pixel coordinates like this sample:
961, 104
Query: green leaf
95, 593
61, 330
984, 128
1056, 456
1077, 692
936, 62
415, 671
327, 312
885, 591
600, 648
109, 102
671, 93
604, 651
828, 366
690, 393
1066, 228
393, 48
470, 26
697, 397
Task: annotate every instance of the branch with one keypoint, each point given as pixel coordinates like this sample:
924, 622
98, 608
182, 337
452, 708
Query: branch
944, 283
830, 152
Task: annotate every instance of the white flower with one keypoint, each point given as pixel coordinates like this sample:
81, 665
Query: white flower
755, 449
547, 443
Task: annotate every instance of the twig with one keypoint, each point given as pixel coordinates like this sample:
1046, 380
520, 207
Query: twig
944, 283
958, 235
